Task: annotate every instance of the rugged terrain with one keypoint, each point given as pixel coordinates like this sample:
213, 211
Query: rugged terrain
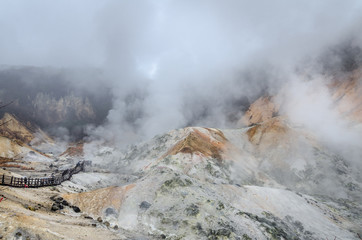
272, 178
44, 95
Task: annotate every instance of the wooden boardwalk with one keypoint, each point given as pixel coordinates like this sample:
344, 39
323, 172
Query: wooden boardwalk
42, 182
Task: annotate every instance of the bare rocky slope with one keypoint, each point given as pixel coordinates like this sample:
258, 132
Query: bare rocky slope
53, 97
18, 143
213, 184
269, 179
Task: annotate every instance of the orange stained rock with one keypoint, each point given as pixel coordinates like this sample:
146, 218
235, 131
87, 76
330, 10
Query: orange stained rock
90, 203
261, 110
275, 127
347, 93
75, 150
212, 144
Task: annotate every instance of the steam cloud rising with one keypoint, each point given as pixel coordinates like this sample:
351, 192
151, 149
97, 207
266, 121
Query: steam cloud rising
175, 63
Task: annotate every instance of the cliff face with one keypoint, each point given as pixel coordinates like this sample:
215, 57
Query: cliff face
51, 97
18, 137
69, 107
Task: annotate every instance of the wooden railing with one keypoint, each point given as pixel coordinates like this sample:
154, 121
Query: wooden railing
54, 180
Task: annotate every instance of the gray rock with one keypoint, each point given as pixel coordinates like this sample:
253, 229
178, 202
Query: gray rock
145, 205
55, 207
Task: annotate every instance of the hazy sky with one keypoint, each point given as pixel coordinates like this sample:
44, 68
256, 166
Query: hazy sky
68, 33
172, 63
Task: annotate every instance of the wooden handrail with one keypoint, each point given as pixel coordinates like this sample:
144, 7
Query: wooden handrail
30, 182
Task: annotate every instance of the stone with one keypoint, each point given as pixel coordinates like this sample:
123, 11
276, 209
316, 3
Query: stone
31, 208
145, 205
55, 207
76, 209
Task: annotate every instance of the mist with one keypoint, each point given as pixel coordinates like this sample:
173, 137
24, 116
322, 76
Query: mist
170, 64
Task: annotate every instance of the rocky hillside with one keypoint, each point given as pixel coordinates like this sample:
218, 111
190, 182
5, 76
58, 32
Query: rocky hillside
272, 178
14, 129
200, 183
24, 148
54, 97
17, 138
59, 110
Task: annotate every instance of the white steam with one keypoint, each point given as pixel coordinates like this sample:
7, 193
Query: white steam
173, 63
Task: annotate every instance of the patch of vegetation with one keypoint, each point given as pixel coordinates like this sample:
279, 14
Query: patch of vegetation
350, 209
192, 210
224, 231
275, 228
277, 233
218, 169
156, 214
219, 234
267, 214
220, 206
176, 182
209, 168
246, 237
167, 160
352, 186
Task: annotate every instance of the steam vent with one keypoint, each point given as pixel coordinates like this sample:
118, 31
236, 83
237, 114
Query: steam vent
180, 120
